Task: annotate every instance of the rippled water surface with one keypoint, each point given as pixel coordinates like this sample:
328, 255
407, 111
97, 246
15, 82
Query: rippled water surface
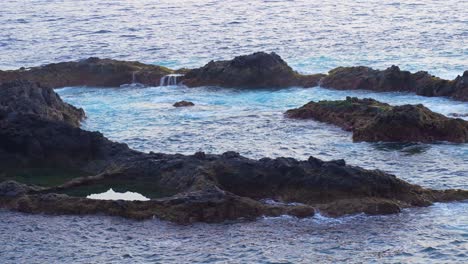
436, 234
312, 36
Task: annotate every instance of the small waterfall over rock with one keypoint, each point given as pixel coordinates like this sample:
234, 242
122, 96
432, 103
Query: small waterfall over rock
170, 79
134, 82
133, 77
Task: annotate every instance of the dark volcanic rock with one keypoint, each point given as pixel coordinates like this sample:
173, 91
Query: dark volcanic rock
257, 70
371, 120
183, 104
24, 97
461, 87
394, 79
413, 123
27, 140
348, 114
351, 78
207, 206
89, 72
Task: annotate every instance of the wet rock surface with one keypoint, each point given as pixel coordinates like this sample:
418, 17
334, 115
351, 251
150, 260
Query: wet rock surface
393, 79
373, 121
257, 70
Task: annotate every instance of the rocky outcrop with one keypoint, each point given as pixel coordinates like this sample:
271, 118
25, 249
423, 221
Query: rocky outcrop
24, 97
28, 140
370, 120
188, 188
257, 70
413, 123
90, 72
461, 87
260, 70
394, 79
183, 104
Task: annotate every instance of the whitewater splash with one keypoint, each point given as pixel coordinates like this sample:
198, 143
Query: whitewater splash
170, 80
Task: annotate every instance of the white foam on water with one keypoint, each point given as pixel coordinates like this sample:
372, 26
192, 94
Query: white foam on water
112, 195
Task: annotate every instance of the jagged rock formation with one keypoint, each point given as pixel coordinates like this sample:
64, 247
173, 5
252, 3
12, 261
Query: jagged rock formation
257, 70
370, 120
24, 97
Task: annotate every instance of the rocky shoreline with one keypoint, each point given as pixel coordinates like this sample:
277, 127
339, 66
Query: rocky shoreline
41, 132
258, 70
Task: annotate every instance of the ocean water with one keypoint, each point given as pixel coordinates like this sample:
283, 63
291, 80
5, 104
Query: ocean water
436, 234
312, 36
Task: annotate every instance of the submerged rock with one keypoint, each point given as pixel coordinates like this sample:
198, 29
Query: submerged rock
370, 120
257, 70
24, 97
183, 104
394, 79
90, 72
